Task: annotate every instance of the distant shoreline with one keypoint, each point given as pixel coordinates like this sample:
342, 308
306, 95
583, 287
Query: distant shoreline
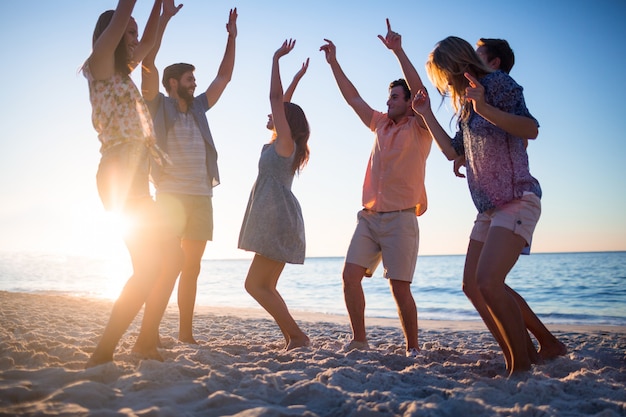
336, 319
248, 257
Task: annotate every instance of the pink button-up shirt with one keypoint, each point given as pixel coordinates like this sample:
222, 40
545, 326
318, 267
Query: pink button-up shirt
394, 179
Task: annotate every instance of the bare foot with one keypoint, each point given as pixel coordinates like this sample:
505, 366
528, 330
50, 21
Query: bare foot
187, 339
148, 353
356, 345
519, 369
552, 351
98, 359
296, 343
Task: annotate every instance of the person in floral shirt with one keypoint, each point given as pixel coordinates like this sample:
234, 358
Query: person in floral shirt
124, 127
493, 125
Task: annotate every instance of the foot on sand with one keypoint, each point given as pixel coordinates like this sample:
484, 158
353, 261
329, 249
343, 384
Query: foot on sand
356, 345
552, 351
96, 360
187, 339
296, 343
147, 353
413, 353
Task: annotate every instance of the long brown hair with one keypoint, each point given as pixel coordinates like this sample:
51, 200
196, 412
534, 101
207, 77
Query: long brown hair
300, 133
121, 54
446, 66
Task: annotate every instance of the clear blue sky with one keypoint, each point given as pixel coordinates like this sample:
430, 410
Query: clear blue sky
570, 59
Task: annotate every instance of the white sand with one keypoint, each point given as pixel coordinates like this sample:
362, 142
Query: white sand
238, 368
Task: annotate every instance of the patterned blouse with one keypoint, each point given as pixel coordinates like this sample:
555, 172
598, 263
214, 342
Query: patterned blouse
119, 112
496, 161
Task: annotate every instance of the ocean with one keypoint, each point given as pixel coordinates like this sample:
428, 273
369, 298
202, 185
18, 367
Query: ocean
563, 288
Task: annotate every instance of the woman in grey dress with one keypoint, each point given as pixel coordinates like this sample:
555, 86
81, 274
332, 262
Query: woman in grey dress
273, 227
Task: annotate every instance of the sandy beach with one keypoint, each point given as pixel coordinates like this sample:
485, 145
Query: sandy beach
238, 369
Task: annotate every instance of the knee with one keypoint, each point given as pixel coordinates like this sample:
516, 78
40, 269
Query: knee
471, 290
350, 283
250, 287
352, 275
486, 289
401, 291
191, 272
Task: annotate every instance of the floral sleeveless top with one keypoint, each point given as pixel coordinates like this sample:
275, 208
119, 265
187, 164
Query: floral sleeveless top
119, 113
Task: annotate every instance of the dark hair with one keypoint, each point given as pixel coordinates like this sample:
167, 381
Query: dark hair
498, 48
176, 72
121, 55
300, 133
401, 83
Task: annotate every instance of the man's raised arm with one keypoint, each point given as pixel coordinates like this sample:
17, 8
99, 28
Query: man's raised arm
149, 72
349, 92
225, 71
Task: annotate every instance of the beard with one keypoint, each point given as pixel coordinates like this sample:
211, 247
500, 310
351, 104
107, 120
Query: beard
183, 94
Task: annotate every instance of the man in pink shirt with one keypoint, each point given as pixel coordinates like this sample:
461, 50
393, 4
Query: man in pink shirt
393, 195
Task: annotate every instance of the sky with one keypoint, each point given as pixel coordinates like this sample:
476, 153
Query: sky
570, 59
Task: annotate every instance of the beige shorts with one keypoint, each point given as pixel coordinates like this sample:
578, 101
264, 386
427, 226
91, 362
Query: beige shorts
189, 216
520, 216
390, 237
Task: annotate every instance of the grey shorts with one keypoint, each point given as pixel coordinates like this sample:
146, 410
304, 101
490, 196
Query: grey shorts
391, 237
190, 217
520, 216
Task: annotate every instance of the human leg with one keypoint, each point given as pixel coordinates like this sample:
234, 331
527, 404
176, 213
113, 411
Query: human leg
144, 253
354, 298
549, 346
122, 181
156, 303
261, 285
407, 311
169, 218
499, 254
398, 235
187, 287
472, 292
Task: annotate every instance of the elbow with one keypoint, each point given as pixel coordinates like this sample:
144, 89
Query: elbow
530, 129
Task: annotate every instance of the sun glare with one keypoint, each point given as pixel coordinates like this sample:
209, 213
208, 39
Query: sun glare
98, 234
116, 223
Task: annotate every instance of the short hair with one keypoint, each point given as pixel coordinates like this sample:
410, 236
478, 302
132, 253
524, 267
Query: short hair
498, 48
402, 83
176, 72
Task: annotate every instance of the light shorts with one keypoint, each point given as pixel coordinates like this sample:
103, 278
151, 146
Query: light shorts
189, 216
391, 237
520, 216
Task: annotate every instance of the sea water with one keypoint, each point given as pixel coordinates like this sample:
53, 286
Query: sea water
571, 288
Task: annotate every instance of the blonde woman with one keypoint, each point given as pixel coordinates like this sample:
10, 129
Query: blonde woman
493, 123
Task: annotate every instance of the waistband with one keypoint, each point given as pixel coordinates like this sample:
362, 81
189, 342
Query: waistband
406, 210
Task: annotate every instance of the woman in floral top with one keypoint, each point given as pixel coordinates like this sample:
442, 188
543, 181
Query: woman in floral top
126, 134
493, 123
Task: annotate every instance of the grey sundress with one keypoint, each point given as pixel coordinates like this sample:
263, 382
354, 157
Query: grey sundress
273, 225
